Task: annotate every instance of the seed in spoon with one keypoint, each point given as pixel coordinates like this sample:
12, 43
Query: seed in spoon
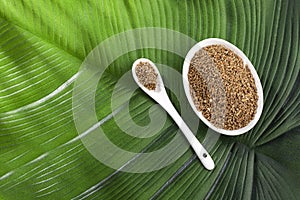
146, 75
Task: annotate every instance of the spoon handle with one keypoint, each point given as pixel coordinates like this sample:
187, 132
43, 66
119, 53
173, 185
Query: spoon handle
201, 152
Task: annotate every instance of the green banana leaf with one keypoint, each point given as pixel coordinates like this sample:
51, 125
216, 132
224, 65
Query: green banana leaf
43, 45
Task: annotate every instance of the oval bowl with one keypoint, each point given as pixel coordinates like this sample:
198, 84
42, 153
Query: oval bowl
186, 65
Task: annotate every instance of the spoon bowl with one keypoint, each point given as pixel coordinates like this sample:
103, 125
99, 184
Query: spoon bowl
185, 70
159, 94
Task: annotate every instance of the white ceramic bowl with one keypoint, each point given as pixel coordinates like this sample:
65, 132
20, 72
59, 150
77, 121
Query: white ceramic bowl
186, 65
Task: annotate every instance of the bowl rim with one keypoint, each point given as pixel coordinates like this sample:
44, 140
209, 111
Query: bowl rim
186, 64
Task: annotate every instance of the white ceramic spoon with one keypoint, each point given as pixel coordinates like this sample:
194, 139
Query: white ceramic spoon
161, 97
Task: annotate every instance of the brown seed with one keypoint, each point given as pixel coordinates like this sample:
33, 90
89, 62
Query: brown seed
146, 75
222, 87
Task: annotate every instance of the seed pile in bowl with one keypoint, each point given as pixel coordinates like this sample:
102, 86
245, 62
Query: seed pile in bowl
222, 87
146, 75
